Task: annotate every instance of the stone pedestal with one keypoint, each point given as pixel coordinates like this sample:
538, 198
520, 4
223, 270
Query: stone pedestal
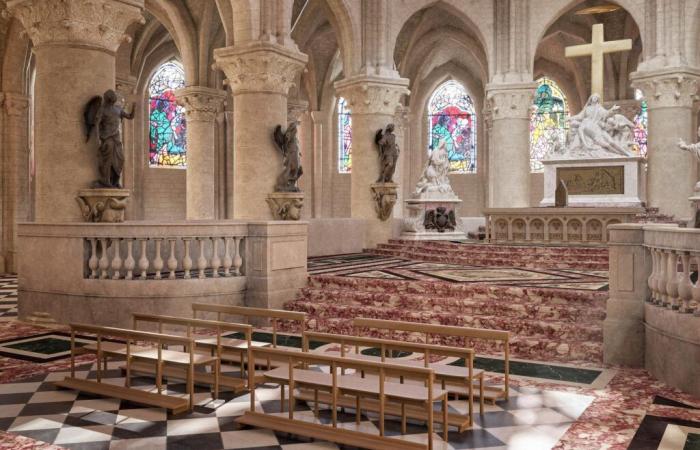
695, 202
286, 205
596, 182
103, 205
432, 219
384, 195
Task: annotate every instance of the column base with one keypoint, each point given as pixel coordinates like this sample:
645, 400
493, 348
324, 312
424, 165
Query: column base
103, 205
286, 205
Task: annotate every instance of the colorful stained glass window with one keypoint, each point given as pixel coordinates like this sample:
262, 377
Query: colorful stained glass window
344, 137
549, 121
167, 127
641, 125
451, 118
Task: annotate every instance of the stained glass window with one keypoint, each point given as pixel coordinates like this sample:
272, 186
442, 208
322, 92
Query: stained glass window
549, 121
641, 125
451, 118
167, 129
344, 137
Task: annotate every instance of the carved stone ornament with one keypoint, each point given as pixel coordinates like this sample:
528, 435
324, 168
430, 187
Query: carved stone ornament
385, 196
373, 95
286, 205
667, 88
103, 205
260, 67
201, 103
512, 101
93, 23
440, 219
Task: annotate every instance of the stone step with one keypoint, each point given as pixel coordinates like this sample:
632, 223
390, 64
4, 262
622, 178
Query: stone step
476, 305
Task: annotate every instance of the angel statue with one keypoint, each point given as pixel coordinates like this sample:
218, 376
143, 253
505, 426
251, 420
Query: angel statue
288, 144
694, 149
388, 153
104, 113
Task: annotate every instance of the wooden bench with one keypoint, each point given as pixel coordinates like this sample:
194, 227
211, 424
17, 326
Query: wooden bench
464, 377
150, 348
214, 343
297, 373
429, 331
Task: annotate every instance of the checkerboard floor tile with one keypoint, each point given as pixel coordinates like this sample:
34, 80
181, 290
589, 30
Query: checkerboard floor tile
532, 419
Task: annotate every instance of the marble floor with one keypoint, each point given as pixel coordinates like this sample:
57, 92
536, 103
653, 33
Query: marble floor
553, 405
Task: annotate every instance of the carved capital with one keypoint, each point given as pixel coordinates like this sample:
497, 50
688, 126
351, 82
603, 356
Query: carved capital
295, 109
93, 23
672, 88
510, 101
201, 103
260, 67
16, 105
373, 95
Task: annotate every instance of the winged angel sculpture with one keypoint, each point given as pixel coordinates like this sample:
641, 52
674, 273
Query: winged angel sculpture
104, 113
288, 144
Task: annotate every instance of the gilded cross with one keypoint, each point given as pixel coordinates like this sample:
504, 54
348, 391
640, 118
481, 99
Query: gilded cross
596, 49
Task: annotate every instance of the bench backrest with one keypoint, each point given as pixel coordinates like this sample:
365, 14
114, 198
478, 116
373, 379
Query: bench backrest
131, 335
191, 325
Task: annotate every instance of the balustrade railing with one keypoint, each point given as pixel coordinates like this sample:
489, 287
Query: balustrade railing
142, 258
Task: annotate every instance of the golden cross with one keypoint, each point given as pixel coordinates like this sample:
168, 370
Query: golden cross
596, 49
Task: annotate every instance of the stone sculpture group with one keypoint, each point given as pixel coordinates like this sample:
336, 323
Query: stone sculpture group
434, 181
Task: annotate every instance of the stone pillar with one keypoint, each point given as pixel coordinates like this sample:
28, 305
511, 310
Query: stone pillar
509, 158
15, 178
373, 102
260, 75
630, 266
671, 173
201, 106
125, 87
74, 44
317, 119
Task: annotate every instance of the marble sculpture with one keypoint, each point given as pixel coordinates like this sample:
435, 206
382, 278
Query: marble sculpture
434, 181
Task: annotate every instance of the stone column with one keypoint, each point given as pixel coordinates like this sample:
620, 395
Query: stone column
509, 158
630, 266
74, 44
201, 106
125, 87
671, 173
15, 178
316, 150
260, 75
373, 102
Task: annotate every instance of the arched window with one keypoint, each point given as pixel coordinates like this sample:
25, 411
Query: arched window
167, 143
641, 124
344, 137
549, 121
451, 118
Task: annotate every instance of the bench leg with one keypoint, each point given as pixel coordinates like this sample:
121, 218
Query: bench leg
316, 402
281, 397
481, 395
217, 374
105, 363
430, 426
403, 418
159, 376
127, 378
445, 429
190, 385
358, 417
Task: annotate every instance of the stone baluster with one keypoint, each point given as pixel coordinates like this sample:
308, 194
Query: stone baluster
143, 259
685, 287
237, 260
215, 259
696, 286
104, 260
158, 260
227, 257
662, 279
172, 261
201, 261
187, 260
116, 260
651, 281
672, 280
660, 268
129, 262
93, 261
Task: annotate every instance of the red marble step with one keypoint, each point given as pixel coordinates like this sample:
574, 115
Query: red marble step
542, 263
476, 250
525, 347
476, 305
510, 249
536, 329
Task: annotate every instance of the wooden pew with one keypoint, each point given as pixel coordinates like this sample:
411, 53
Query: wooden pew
463, 377
150, 349
215, 344
428, 331
296, 373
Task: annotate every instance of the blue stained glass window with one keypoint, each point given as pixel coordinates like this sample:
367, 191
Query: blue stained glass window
549, 121
344, 137
167, 127
641, 125
451, 118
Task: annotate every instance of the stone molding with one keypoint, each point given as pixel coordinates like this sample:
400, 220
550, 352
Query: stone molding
260, 67
16, 104
373, 95
510, 101
669, 88
92, 23
201, 103
295, 109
